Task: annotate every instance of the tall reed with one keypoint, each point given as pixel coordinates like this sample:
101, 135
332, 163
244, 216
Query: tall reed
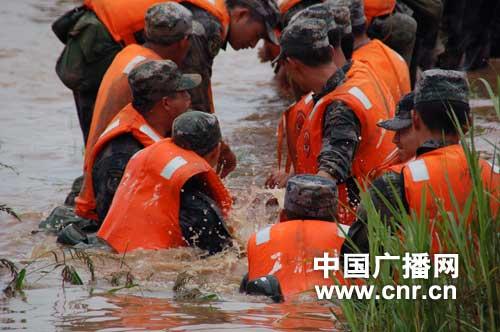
477, 242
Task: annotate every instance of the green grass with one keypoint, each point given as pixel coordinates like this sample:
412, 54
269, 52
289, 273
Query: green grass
495, 98
478, 246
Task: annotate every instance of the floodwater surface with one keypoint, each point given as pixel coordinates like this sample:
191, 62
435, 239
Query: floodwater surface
40, 155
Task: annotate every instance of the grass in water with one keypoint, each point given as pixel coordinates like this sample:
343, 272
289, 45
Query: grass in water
473, 234
10, 211
495, 98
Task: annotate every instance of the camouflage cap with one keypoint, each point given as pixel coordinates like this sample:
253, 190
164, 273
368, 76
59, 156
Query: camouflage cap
335, 18
196, 131
311, 196
402, 119
442, 85
167, 23
356, 9
268, 11
302, 35
152, 80
342, 17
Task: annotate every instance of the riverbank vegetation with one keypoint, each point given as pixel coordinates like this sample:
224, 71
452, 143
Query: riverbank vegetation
477, 304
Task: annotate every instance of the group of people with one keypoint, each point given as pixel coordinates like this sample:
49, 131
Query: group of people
153, 166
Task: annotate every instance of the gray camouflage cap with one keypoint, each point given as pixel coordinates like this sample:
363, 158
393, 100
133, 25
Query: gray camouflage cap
302, 35
196, 131
311, 196
442, 85
152, 80
268, 11
167, 23
402, 119
356, 9
335, 18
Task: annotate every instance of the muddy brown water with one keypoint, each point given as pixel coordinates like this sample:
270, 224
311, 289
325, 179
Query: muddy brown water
40, 140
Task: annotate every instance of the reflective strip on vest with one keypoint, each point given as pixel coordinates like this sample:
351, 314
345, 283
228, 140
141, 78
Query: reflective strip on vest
309, 98
148, 131
318, 104
381, 139
111, 126
360, 95
133, 63
263, 236
173, 166
418, 170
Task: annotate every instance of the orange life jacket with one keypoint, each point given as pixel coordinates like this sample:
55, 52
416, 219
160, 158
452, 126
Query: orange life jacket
391, 163
290, 126
285, 5
128, 121
370, 100
145, 211
374, 8
387, 64
114, 92
287, 250
124, 18
437, 174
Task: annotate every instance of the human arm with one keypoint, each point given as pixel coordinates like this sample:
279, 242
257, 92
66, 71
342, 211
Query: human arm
201, 221
341, 136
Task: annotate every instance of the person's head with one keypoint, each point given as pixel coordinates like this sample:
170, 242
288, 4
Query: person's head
404, 136
168, 26
358, 22
305, 48
287, 14
160, 90
441, 104
198, 132
337, 20
310, 197
250, 21
357, 14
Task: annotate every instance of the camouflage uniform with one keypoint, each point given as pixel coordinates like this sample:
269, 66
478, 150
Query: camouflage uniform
165, 23
89, 51
307, 197
435, 85
200, 220
341, 127
398, 31
149, 82
206, 42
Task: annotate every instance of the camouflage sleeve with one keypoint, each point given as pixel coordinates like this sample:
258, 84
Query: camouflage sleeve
201, 222
205, 44
108, 170
391, 186
341, 132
